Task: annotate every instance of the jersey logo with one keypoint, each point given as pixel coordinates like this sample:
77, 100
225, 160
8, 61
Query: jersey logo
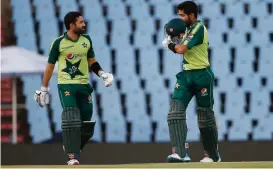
84, 45
89, 99
177, 85
70, 56
67, 93
190, 36
72, 69
204, 92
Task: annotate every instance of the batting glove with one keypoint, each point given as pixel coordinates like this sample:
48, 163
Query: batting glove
166, 42
42, 96
107, 78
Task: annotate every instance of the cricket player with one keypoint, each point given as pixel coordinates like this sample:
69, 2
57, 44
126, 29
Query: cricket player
197, 80
74, 53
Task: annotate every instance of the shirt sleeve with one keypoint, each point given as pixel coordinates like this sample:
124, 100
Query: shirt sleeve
195, 37
54, 51
91, 53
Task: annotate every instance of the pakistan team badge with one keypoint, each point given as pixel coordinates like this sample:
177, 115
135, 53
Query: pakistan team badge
84, 45
177, 85
72, 69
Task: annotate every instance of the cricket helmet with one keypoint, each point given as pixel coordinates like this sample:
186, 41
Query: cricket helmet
175, 27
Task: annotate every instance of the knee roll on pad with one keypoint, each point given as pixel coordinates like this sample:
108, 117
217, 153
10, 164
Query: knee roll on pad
206, 117
177, 110
71, 118
88, 128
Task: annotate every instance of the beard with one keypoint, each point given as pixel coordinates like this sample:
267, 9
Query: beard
79, 31
188, 22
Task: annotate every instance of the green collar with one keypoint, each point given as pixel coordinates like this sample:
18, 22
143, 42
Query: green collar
194, 24
68, 38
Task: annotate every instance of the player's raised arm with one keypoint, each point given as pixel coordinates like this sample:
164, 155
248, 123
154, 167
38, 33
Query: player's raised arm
194, 38
175, 30
178, 48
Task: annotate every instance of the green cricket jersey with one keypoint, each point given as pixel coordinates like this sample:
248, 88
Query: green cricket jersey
196, 39
72, 58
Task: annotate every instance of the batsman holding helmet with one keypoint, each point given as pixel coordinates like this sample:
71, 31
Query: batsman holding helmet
74, 53
196, 79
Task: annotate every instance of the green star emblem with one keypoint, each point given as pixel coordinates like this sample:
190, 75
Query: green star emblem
84, 45
72, 69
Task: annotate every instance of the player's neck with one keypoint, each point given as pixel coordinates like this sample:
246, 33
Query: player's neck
194, 21
72, 35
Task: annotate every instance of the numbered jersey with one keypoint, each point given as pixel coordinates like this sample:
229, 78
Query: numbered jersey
72, 57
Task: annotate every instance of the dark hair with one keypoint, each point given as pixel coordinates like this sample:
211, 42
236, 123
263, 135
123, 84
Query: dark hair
188, 7
71, 17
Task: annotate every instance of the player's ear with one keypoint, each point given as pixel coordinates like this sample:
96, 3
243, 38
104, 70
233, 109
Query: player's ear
72, 26
192, 15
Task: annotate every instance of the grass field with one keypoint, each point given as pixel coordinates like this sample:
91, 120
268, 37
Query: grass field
162, 165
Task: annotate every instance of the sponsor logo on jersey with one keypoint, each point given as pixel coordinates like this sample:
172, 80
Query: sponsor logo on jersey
204, 92
190, 36
70, 56
80, 55
89, 98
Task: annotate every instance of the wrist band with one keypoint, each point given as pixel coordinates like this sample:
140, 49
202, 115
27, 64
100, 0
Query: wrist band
95, 67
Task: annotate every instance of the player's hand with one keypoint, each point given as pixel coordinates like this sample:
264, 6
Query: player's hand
166, 42
42, 96
107, 79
